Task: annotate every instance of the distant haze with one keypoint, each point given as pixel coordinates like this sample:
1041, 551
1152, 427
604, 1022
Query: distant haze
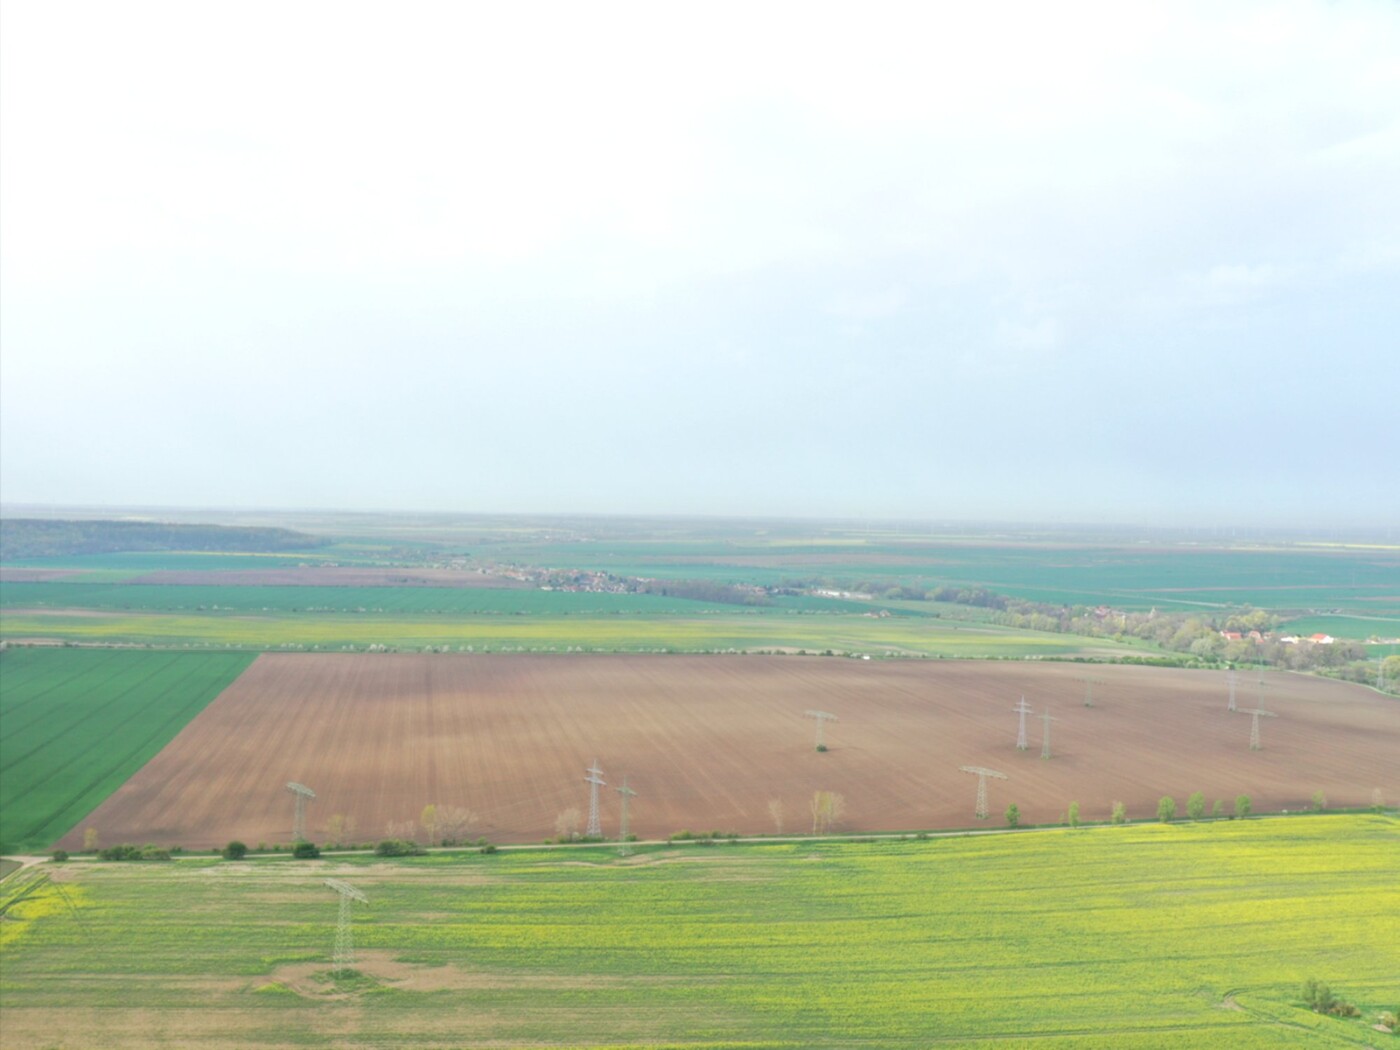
1114, 262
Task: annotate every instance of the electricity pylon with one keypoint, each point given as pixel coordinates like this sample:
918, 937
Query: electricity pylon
302, 793
1233, 706
822, 718
344, 948
982, 775
1254, 744
595, 781
1022, 709
1045, 733
1089, 684
627, 795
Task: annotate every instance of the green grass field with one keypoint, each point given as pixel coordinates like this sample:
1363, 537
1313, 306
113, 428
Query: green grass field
1180, 936
74, 724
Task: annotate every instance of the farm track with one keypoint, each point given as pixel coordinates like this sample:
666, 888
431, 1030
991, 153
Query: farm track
709, 741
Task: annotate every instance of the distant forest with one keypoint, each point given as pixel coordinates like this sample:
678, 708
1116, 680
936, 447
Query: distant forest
46, 538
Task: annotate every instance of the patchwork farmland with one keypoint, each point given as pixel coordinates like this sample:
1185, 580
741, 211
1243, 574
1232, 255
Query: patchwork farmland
720, 743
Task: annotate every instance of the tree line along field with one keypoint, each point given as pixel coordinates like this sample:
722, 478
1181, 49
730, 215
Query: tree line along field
721, 743
1175, 936
76, 724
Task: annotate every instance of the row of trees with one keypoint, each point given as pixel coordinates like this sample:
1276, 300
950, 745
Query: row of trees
1166, 809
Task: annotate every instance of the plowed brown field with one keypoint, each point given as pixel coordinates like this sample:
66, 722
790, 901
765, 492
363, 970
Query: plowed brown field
709, 741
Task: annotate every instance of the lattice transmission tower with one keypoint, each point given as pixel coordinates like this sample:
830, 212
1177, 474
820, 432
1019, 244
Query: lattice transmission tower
302, 793
627, 795
1022, 709
822, 717
344, 946
1254, 741
1045, 733
594, 781
982, 775
1089, 684
1233, 706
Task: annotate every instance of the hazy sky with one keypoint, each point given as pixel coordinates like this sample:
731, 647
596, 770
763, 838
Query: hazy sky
1133, 262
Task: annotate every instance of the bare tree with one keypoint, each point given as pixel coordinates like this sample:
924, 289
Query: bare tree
340, 829
429, 821
775, 810
455, 823
407, 830
566, 823
90, 839
827, 809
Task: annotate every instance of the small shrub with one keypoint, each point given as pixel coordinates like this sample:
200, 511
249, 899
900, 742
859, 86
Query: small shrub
490, 847
305, 851
821, 747
398, 848
1166, 809
60, 855
1243, 806
1319, 801
1120, 813
1013, 815
235, 850
1320, 999
1074, 814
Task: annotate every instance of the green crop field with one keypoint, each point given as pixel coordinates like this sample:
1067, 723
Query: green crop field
459, 601
1364, 581
1355, 628
724, 628
1179, 936
74, 724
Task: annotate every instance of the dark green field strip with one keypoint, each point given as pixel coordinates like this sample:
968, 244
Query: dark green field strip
90, 721
30, 722
150, 561
62, 678
125, 702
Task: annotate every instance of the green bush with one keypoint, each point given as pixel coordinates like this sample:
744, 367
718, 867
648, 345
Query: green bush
1166, 809
305, 851
126, 852
235, 850
1013, 815
1320, 999
60, 855
398, 848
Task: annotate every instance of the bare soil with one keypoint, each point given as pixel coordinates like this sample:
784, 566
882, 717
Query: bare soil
709, 741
